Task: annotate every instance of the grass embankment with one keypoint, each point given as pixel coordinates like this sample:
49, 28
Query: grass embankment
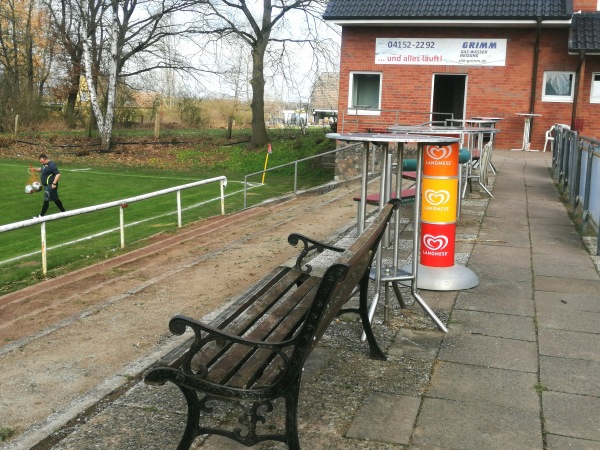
91, 178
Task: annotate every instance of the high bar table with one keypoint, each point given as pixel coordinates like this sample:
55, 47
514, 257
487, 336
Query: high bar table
384, 139
526, 133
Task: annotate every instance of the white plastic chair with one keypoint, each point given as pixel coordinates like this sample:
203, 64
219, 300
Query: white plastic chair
550, 133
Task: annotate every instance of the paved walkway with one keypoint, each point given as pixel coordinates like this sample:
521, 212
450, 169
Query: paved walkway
519, 369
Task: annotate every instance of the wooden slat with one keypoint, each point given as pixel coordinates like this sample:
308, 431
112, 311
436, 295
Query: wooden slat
276, 324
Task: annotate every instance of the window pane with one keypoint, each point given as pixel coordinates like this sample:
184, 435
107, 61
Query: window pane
596, 85
559, 84
366, 91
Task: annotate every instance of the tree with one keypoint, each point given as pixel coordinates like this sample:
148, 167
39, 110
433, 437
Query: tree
25, 60
133, 30
264, 27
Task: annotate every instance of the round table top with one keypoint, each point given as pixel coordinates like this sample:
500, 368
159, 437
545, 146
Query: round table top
436, 130
482, 121
492, 119
392, 137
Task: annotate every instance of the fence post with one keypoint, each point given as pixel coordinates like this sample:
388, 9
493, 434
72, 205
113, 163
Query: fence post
157, 124
179, 209
222, 183
295, 178
44, 246
245, 190
16, 125
122, 224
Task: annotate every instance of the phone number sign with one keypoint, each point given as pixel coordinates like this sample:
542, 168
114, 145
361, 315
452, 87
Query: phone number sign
439, 51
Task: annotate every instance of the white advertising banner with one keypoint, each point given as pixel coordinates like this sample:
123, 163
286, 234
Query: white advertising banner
439, 51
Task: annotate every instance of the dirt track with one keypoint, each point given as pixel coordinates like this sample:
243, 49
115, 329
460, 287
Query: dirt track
65, 336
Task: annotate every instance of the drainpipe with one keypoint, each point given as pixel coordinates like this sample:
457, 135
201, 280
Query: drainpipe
535, 69
535, 66
576, 93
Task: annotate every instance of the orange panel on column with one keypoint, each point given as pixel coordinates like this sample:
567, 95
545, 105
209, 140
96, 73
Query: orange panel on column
441, 161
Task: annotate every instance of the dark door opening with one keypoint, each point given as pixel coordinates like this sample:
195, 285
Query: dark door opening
448, 96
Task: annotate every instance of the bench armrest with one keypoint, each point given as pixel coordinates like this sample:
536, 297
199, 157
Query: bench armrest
309, 246
205, 333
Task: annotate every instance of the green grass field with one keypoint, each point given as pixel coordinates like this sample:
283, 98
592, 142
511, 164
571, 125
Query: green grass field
68, 240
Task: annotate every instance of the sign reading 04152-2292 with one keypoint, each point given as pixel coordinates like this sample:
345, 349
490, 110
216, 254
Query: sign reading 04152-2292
403, 43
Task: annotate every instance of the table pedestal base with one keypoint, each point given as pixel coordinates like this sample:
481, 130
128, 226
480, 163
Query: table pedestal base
455, 278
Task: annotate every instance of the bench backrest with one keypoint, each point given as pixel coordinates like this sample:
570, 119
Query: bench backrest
339, 282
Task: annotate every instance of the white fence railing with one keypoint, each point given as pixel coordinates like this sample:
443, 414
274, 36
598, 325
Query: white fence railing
121, 204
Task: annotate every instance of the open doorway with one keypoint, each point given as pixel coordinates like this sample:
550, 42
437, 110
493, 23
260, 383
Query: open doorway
448, 96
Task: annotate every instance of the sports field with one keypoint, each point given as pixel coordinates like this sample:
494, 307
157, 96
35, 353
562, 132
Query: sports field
70, 243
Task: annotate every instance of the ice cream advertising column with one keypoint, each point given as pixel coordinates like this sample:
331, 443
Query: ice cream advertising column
439, 201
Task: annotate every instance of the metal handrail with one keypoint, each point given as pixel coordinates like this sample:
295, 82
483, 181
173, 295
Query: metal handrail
293, 163
576, 167
122, 204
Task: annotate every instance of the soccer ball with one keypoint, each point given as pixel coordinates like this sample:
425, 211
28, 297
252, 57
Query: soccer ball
28, 189
37, 186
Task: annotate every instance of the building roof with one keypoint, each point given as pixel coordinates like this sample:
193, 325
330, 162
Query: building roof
585, 33
448, 10
325, 93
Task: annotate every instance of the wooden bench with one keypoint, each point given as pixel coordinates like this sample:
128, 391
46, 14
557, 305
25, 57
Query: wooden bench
253, 353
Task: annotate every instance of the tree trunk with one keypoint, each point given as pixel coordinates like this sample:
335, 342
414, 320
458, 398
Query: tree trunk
259, 136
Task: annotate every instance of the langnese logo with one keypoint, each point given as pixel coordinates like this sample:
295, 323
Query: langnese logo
439, 153
436, 198
435, 243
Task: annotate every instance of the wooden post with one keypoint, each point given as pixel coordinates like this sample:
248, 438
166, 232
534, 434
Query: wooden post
157, 125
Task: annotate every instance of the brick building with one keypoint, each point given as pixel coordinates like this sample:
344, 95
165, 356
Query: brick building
401, 59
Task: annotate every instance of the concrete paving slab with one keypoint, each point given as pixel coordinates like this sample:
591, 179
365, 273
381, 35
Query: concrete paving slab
489, 271
384, 417
563, 318
572, 415
572, 301
575, 257
506, 388
493, 324
564, 271
490, 351
474, 301
450, 424
416, 344
555, 442
569, 344
567, 285
484, 253
504, 288
575, 376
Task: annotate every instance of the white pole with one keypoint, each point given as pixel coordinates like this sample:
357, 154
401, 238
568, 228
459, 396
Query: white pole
122, 225
179, 209
223, 183
44, 260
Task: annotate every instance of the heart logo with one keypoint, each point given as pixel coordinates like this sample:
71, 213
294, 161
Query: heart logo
435, 243
436, 198
439, 153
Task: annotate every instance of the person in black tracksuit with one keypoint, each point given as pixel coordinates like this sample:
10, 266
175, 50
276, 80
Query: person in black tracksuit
49, 178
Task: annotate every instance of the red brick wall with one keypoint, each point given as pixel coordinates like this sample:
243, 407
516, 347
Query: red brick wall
491, 91
585, 5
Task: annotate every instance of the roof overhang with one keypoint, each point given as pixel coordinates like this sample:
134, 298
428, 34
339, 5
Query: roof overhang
450, 23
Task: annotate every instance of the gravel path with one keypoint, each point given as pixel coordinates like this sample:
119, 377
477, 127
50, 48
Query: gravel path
65, 336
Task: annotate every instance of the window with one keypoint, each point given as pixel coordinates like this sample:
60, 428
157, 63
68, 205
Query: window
595, 92
558, 86
365, 93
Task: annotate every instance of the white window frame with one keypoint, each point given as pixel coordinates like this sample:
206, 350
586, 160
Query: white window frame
595, 98
558, 98
360, 111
